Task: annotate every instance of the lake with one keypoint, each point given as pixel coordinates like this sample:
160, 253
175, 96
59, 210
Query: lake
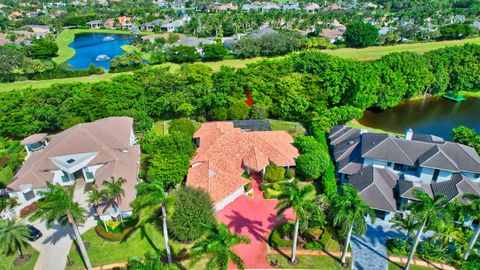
431, 116
97, 49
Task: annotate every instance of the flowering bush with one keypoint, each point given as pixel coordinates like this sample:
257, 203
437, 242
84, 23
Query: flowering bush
27, 210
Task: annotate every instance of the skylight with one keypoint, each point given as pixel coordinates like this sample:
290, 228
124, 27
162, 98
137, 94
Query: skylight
70, 161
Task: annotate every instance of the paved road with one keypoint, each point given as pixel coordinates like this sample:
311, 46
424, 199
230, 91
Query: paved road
56, 241
369, 251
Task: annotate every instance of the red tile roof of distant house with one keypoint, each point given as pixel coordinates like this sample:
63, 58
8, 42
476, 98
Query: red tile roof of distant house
225, 152
124, 20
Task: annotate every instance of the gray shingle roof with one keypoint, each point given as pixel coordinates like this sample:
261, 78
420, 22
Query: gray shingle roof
456, 187
375, 186
406, 188
383, 147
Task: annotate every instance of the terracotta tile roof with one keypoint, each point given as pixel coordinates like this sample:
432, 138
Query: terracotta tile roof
225, 152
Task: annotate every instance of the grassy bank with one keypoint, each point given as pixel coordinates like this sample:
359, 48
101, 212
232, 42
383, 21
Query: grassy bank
376, 52
67, 36
356, 124
470, 94
308, 262
131, 48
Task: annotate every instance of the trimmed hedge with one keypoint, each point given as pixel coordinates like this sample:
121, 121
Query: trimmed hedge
328, 181
112, 236
276, 238
274, 173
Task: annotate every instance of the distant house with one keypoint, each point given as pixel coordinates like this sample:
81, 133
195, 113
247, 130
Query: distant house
109, 24
476, 25
79, 157
125, 22
384, 30
262, 32
291, 6
385, 169
95, 24
15, 15
312, 8
149, 26
270, 7
153, 37
173, 26
193, 41
225, 152
39, 30
225, 7
333, 35
458, 19
249, 7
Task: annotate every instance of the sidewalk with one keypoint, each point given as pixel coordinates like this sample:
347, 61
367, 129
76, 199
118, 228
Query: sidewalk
420, 262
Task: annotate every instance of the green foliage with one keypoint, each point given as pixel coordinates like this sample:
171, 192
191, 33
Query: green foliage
238, 110
43, 48
399, 246
466, 136
259, 111
312, 165
10, 59
274, 173
278, 235
149, 262
290, 173
214, 52
193, 210
308, 144
128, 61
182, 125
115, 236
13, 236
266, 45
359, 34
158, 57
456, 31
183, 54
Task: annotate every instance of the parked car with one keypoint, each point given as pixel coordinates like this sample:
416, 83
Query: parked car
34, 233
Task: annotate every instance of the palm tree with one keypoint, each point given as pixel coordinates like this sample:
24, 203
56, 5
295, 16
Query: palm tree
447, 232
114, 191
408, 224
149, 262
426, 210
349, 211
473, 211
150, 198
218, 245
95, 196
300, 198
13, 236
57, 205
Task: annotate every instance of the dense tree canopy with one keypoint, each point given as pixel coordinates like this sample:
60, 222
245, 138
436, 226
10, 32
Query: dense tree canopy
359, 34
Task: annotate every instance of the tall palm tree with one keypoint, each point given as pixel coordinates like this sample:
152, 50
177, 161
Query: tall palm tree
218, 245
300, 198
13, 236
114, 191
427, 211
150, 198
349, 211
447, 232
57, 205
95, 196
473, 212
408, 224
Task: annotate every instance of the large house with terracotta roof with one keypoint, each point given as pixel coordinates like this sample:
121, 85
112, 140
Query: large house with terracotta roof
226, 152
82, 155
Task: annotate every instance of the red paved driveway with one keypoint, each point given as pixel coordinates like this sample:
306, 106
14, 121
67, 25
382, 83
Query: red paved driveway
254, 218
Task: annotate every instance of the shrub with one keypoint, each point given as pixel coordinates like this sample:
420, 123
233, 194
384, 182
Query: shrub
113, 236
193, 209
281, 235
248, 186
313, 234
398, 246
309, 165
182, 125
430, 250
308, 144
114, 226
271, 193
328, 181
327, 235
290, 173
274, 173
27, 210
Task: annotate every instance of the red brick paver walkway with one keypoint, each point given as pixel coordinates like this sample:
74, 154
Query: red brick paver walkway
254, 218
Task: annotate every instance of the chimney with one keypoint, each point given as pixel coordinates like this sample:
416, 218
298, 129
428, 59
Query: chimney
408, 134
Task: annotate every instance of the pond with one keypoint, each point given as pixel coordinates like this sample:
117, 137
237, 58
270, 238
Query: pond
97, 49
431, 116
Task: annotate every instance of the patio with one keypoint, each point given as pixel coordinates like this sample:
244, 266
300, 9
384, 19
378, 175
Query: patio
254, 218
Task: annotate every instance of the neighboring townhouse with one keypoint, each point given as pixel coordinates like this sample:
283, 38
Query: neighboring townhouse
225, 152
94, 24
386, 169
83, 155
150, 26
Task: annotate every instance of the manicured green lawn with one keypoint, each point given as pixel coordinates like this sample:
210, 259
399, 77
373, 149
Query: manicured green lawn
293, 128
131, 48
103, 252
356, 124
308, 262
6, 262
395, 266
376, 52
